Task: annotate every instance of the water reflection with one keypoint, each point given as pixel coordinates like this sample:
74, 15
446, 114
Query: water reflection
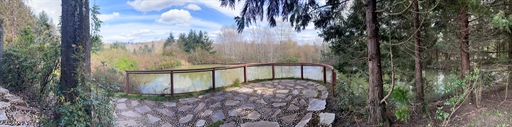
198, 81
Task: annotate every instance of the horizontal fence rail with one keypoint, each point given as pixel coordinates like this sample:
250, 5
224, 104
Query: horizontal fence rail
249, 70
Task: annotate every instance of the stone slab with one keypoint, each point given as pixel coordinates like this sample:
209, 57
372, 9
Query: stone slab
199, 107
185, 107
231, 103
218, 115
260, 124
326, 118
253, 115
316, 104
166, 112
128, 123
200, 123
289, 118
304, 121
186, 119
309, 93
292, 107
152, 118
230, 124
134, 103
127, 113
169, 104
120, 106
143, 109
216, 105
188, 100
278, 104
206, 113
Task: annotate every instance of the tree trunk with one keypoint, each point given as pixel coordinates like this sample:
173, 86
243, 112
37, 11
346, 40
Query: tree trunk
1, 51
75, 45
417, 58
464, 45
464, 48
375, 89
509, 50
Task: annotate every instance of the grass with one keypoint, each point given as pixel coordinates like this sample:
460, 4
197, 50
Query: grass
216, 123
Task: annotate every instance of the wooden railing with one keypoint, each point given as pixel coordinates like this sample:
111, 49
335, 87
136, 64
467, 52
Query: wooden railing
225, 67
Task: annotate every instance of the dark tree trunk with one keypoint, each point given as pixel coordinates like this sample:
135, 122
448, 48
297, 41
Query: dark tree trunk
1, 51
375, 90
417, 51
464, 45
75, 45
509, 50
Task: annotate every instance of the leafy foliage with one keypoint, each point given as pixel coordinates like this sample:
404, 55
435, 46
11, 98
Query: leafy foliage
402, 113
124, 63
352, 87
401, 99
97, 44
288, 60
33, 59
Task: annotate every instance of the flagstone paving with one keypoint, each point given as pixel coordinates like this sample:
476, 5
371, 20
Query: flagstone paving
264, 104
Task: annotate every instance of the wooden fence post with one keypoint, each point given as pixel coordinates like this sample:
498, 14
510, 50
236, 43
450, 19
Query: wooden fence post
301, 71
273, 72
172, 83
245, 74
127, 87
213, 78
325, 75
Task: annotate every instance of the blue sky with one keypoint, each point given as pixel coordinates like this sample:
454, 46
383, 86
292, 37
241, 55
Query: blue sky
151, 20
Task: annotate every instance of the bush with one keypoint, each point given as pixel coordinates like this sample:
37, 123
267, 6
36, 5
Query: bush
401, 99
125, 63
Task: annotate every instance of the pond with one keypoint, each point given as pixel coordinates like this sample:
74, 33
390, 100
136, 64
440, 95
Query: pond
198, 81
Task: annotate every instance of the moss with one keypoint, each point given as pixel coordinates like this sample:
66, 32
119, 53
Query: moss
216, 123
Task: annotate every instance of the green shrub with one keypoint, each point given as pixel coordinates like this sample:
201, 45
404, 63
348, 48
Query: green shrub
402, 113
288, 60
236, 83
125, 63
400, 96
401, 99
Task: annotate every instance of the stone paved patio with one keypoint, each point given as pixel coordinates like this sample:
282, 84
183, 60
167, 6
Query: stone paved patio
265, 104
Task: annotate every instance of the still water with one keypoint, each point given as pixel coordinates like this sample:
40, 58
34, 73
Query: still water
198, 81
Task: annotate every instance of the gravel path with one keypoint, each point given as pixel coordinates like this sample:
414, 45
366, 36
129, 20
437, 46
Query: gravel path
264, 104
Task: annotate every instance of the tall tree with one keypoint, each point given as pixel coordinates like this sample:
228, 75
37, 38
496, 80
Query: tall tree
75, 45
169, 41
375, 90
417, 53
301, 13
464, 38
1, 49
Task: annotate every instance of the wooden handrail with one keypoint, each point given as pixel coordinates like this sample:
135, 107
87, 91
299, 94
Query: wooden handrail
225, 67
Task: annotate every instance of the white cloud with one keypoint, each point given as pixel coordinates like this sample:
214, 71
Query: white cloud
157, 5
175, 16
105, 17
193, 7
139, 32
154, 5
51, 7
